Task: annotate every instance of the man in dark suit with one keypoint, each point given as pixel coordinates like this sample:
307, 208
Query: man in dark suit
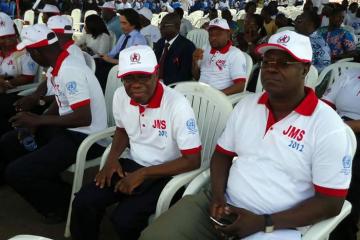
173, 52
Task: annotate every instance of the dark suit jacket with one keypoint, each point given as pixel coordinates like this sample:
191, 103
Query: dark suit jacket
178, 61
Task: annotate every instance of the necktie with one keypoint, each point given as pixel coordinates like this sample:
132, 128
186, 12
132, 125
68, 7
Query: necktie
122, 46
162, 61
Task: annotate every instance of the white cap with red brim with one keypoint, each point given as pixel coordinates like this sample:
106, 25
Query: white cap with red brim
219, 23
139, 59
35, 36
60, 24
6, 26
108, 5
297, 45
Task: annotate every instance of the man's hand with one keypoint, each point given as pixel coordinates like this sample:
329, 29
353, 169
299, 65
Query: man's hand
246, 223
5, 85
217, 206
26, 103
198, 55
104, 175
130, 182
108, 59
25, 119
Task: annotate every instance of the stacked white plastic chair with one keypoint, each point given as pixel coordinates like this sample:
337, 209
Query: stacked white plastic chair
200, 37
29, 17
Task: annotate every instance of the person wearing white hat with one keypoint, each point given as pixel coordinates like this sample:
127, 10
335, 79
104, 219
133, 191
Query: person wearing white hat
158, 125
79, 110
294, 160
49, 11
220, 65
16, 68
149, 31
108, 13
123, 4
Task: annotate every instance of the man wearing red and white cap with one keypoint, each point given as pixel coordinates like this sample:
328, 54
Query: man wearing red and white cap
294, 159
220, 65
108, 13
49, 11
16, 68
79, 110
158, 125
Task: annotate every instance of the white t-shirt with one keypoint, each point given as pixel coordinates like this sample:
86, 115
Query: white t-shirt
74, 86
17, 63
151, 33
344, 94
221, 69
100, 45
281, 164
160, 132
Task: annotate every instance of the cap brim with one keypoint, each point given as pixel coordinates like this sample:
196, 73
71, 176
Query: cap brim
145, 71
263, 48
213, 26
22, 45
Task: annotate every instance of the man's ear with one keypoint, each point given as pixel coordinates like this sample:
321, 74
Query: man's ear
306, 69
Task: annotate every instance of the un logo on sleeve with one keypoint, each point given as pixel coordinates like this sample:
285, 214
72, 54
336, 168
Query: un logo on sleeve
191, 126
346, 162
71, 87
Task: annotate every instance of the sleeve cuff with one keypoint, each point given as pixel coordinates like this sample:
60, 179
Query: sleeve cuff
239, 80
191, 151
224, 151
331, 191
80, 104
329, 103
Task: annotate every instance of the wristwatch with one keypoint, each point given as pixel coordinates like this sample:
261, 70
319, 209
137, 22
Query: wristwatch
269, 225
41, 101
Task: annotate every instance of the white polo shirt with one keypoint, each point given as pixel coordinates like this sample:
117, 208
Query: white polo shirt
281, 164
74, 86
160, 132
344, 95
17, 63
74, 50
221, 69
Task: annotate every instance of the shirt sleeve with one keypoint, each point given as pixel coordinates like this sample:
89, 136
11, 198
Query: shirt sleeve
28, 66
331, 165
185, 129
139, 39
348, 41
117, 47
116, 108
333, 90
238, 66
77, 89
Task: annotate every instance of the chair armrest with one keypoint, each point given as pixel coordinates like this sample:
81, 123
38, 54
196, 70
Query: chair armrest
22, 87
235, 98
27, 92
322, 230
171, 188
198, 183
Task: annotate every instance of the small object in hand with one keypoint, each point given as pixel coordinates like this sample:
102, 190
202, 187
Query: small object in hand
225, 220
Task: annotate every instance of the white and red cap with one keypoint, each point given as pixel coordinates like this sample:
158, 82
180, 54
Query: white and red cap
297, 45
60, 24
139, 59
219, 23
109, 5
6, 26
34, 36
146, 13
48, 8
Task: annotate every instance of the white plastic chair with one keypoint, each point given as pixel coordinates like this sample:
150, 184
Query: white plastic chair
311, 79
285, 28
200, 37
40, 20
81, 164
76, 16
336, 71
29, 16
37, 79
90, 12
201, 21
155, 19
19, 24
319, 231
90, 62
28, 237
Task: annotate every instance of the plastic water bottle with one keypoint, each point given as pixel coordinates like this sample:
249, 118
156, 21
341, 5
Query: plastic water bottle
26, 138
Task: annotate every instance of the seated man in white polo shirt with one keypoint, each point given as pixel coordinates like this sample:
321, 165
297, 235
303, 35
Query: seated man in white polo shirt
42, 146
158, 125
221, 65
294, 160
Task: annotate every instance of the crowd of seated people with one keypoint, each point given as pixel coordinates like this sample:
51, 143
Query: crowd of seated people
294, 167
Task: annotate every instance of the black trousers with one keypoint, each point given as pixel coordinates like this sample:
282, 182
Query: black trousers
131, 214
7, 110
348, 228
36, 175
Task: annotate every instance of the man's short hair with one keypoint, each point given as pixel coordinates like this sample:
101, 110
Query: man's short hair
132, 17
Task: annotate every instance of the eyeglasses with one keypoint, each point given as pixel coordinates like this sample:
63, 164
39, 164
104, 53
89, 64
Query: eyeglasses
166, 25
142, 79
277, 64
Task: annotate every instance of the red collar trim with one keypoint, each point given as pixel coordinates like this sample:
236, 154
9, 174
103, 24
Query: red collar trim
223, 50
68, 44
58, 63
155, 100
306, 107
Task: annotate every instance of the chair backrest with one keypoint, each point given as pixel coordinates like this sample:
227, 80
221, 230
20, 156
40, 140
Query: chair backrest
29, 237
249, 66
200, 37
155, 19
40, 20
29, 16
311, 79
335, 71
89, 12
113, 83
212, 109
199, 22
90, 62
76, 16
19, 24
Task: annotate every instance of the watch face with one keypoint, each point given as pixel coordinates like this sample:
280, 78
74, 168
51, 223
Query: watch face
42, 102
269, 229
